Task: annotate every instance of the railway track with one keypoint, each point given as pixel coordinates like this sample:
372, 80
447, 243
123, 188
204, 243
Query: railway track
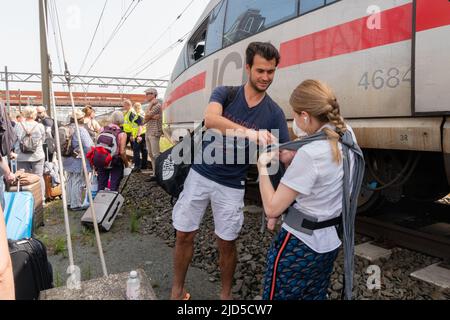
401, 225
430, 244
422, 227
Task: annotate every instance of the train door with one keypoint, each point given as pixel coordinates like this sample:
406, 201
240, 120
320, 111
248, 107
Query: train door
432, 58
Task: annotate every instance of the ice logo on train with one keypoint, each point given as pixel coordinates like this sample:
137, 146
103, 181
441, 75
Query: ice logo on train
168, 168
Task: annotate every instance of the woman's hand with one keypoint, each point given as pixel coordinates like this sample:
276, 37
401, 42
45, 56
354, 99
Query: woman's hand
266, 158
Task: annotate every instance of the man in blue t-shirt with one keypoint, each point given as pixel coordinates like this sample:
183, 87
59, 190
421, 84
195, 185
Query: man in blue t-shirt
249, 118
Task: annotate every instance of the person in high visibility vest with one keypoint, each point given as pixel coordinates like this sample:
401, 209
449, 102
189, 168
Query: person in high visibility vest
133, 127
140, 131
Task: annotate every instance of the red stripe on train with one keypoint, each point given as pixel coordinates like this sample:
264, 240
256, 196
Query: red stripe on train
194, 84
432, 14
349, 37
396, 26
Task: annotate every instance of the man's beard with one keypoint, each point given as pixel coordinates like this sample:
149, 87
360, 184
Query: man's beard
255, 87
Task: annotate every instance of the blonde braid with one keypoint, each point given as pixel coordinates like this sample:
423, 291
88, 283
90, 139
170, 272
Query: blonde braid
316, 98
334, 116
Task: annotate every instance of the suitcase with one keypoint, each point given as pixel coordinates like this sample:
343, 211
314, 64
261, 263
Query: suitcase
107, 205
35, 190
32, 271
19, 207
51, 192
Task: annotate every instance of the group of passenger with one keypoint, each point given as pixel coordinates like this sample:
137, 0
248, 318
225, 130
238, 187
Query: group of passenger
141, 130
131, 126
144, 130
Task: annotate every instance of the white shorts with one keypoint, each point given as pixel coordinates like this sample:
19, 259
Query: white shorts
227, 206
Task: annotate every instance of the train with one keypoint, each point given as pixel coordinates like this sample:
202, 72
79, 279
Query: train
387, 60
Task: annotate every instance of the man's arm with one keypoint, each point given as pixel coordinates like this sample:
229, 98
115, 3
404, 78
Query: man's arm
153, 112
214, 119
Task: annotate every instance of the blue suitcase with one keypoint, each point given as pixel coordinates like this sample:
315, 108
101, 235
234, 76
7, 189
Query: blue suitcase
19, 207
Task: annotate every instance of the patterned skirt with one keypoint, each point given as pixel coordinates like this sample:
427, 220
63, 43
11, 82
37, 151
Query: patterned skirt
296, 272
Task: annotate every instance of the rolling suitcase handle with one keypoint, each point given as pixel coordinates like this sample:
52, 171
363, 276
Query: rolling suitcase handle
125, 184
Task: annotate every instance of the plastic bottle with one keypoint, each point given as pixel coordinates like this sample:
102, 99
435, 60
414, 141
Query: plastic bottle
94, 186
133, 286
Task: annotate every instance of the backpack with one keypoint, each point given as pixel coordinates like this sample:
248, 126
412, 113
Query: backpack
65, 139
51, 145
7, 135
170, 174
27, 143
49, 140
106, 150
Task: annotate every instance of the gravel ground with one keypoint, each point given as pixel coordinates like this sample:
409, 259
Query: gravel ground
143, 237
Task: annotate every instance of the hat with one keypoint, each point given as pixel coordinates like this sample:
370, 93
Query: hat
78, 114
151, 90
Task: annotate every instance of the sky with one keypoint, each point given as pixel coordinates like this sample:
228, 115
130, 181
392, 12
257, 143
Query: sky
149, 31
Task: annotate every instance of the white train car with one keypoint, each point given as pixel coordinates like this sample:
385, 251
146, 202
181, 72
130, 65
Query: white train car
388, 61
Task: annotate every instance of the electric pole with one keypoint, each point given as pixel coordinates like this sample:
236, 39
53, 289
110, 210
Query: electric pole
8, 103
45, 76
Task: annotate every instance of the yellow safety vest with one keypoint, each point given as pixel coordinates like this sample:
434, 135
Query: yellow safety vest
131, 126
127, 124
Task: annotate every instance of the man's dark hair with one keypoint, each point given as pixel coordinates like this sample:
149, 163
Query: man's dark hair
264, 49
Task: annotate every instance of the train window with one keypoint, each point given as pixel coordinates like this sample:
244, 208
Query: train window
196, 45
247, 17
309, 5
215, 28
180, 66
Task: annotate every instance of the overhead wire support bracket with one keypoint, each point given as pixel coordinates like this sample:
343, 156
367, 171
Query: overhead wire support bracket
83, 80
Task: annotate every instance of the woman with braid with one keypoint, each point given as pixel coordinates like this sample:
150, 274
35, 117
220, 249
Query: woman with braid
300, 259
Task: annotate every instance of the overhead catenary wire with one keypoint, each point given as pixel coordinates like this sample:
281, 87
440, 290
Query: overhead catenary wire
93, 37
83, 158
116, 30
55, 37
161, 54
158, 56
132, 68
60, 164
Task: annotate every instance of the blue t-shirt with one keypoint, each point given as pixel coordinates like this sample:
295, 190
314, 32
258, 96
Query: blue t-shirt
267, 115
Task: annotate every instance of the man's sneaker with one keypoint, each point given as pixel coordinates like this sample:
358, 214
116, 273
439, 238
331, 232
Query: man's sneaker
152, 179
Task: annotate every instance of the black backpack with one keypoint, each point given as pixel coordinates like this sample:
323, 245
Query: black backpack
7, 134
49, 141
171, 174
